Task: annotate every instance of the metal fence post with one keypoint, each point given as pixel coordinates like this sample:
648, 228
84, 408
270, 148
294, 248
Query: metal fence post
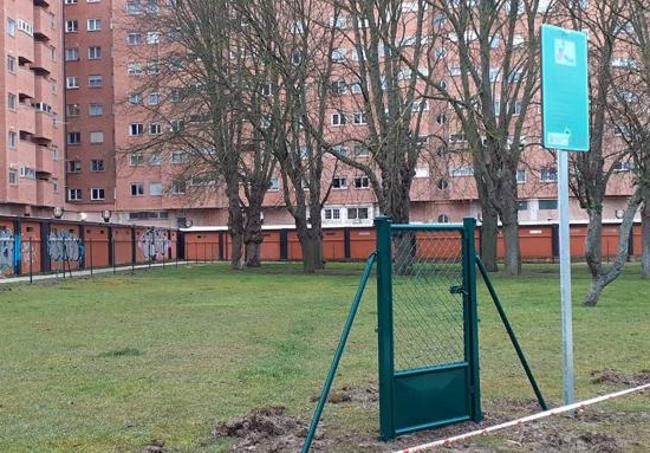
385, 327
90, 245
31, 261
471, 315
114, 256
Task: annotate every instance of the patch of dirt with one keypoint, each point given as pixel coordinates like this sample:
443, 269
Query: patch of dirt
271, 429
363, 396
611, 376
155, 446
267, 430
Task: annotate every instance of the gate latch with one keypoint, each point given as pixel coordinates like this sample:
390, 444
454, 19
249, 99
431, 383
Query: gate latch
457, 289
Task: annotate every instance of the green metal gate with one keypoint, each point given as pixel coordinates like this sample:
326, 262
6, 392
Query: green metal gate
428, 326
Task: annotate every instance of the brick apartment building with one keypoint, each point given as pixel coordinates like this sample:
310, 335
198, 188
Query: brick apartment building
31, 108
104, 59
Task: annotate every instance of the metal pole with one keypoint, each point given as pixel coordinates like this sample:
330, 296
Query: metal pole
565, 274
90, 242
114, 256
511, 333
331, 374
31, 261
385, 328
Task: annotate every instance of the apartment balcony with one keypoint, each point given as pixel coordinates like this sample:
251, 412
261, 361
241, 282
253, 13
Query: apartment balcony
42, 23
42, 59
26, 120
44, 163
44, 193
44, 128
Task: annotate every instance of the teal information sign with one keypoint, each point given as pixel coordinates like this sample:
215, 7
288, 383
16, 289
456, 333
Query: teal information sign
565, 89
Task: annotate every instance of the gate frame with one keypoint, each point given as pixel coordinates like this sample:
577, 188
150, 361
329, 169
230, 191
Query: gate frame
385, 335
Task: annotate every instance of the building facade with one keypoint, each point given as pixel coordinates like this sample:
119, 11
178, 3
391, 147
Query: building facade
107, 53
31, 108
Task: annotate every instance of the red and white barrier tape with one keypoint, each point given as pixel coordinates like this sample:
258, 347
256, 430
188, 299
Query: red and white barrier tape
482, 432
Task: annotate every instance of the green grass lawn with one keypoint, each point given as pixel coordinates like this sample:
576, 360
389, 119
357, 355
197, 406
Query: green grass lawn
112, 363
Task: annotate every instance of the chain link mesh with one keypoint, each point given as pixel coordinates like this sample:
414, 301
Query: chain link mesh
427, 315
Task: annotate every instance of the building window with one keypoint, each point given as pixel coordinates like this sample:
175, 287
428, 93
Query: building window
522, 205
72, 82
136, 129
94, 25
72, 110
54, 152
71, 26
463, 170
134, 69
136, 159
11, 27
155, 159
155, 129
360, 118
547, 205
12, 139
338, 119
443, 184
274, 184
12, 101
70, 2
134, 39
357, 213
11, 64
521, 176
153, 99
74, 138
443, 218
74, 194
97, 165
96, 137
548, 174
95, 81
135, 99
361, 182
178, 188
623, 166
55, 185
71, 54
332, 214
96, 194
95, 109
13, 177
133, 7
73, 166
94, 53
155, 189
153, 37
179, 157
137, 189
339, 182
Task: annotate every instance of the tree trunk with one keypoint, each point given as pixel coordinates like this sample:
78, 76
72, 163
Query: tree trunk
253, 236
593, 243
489, 237
511, 241
645, 238
601, 279
396, 207
312, 251
235, 225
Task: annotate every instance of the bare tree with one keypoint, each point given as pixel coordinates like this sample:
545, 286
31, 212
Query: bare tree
629, 109
201, 78
291, 44
593, 170
489, 52
387, 113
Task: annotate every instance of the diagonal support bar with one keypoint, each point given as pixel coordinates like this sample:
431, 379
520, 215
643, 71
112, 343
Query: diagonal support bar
511, 333
337, 355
